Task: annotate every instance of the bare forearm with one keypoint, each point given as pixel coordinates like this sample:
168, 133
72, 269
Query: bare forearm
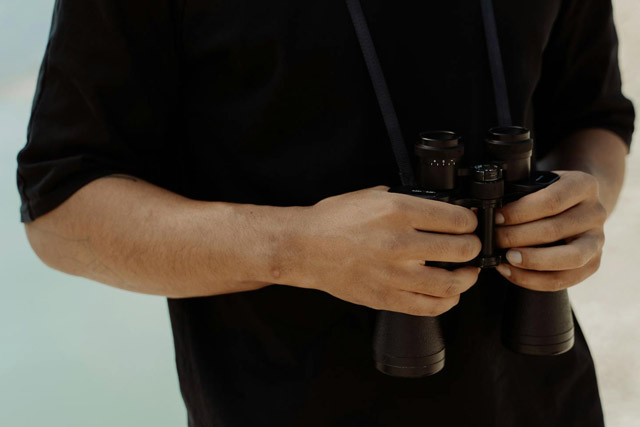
363, 247
128, 233
600, 153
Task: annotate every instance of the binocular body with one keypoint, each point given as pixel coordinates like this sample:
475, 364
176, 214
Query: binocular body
535, 323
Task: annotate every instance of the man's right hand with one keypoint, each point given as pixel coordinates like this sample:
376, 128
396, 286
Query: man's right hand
368, 247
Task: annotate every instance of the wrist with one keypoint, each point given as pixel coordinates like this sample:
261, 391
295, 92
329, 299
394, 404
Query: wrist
598, 152
267, 242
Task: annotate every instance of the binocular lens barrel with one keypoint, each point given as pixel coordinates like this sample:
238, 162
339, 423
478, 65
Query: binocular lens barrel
408, 346
439, 153
511, 147
537, 323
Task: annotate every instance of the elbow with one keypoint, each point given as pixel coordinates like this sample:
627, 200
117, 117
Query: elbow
52, 247
39, 243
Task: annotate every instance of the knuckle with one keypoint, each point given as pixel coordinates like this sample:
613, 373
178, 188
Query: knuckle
449, 303
512, 214
433, 310
450, 287
381, 273
556, 282
441, 305
463, 249
463, 222
505, 237
533, 261
442, 247
595, 262
548, 283
554, 200
423, 310
592, 184
600, 213
465, 279
391, 243
578, 259
556, 229
411, 306
471, 248
393, 208
383, 297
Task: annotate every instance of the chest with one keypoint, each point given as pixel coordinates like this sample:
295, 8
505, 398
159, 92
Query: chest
433, 34
267, 84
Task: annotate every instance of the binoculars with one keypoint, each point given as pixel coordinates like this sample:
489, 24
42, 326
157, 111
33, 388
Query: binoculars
534, 323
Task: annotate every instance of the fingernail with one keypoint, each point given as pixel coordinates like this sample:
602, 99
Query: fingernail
514, 257
504, 270
499, 218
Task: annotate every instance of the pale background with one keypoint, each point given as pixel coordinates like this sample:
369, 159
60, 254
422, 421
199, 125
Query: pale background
74, 353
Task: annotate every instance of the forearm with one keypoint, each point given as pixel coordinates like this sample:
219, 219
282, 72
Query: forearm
133, 235
362, 247
600, 153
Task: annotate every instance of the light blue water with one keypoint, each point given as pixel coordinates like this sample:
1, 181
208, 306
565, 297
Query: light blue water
72, 352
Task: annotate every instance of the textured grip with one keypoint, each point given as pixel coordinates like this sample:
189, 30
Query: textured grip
537, 323
408, 346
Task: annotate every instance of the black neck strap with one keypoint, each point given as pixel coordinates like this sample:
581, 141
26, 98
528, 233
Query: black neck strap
382, 90
495, 63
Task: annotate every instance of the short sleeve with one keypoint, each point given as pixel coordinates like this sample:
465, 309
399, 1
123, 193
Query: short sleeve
580, 83
105, 100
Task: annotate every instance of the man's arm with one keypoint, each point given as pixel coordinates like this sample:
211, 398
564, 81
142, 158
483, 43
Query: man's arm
598, 152
128, 233
591, 164
367, 247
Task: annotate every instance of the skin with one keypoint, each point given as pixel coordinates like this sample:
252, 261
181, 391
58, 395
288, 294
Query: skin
574, 208
364, 247
367, 247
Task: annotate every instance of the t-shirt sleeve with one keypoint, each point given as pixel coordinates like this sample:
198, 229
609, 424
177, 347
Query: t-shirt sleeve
580, 83
105, 99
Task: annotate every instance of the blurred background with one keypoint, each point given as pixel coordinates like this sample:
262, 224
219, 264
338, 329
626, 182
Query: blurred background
75, 353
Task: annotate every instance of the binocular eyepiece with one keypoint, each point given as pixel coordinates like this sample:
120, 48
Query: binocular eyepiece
534, 323
441, 152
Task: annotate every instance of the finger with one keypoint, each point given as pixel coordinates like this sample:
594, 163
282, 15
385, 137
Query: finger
434, 215
441, 247
577, 220
572, 188
575, 254
548, 281
419, 304
437, 282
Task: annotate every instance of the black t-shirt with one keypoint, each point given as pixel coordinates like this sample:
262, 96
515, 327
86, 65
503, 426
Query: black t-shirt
270, 103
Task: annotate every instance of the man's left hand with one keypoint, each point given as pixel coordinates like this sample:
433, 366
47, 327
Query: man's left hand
568, 210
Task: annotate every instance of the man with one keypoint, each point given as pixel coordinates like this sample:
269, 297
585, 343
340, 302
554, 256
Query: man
230, 155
